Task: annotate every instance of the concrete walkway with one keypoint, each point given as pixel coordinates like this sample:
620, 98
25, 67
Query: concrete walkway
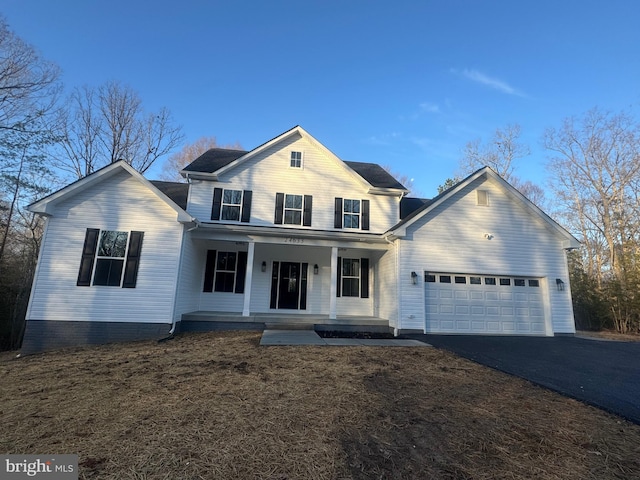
309, 337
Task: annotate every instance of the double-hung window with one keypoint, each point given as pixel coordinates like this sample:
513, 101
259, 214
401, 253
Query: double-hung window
225, 271
353, 277
293, 209
231, 205
350, 277
110, 258
296, 160
351, 216
351, 213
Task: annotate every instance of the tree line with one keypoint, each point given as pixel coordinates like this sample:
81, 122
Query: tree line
48, 139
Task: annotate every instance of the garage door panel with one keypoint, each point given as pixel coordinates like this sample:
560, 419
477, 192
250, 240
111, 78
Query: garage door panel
446, 294
484, 304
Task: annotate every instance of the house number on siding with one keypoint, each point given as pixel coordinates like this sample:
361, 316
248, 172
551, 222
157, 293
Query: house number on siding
293, 240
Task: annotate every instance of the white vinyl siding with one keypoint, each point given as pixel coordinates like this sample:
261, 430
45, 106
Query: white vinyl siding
452, 238
322, 177
118, 203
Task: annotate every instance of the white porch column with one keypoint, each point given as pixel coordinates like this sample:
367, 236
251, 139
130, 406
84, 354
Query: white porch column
334, 283
246, 309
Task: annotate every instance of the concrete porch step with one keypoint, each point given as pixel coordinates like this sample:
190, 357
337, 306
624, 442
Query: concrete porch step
288, 326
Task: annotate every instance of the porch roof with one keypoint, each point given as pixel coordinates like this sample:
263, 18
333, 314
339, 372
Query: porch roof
295, 236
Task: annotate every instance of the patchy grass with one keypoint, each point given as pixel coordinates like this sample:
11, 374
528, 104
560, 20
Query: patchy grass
610, 335
217, 405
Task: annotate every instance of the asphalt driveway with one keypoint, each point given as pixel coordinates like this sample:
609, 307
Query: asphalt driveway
605, 374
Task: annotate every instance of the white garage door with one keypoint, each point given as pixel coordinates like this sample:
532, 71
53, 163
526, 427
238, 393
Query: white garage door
483, 304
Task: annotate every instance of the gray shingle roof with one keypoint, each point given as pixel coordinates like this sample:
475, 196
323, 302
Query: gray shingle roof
214, 159
375, 175
408, 205
176, 191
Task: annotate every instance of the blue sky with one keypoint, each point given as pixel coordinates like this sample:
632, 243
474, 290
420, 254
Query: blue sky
403, 83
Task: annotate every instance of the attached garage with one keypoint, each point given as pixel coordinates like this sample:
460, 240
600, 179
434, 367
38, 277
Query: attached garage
484, 304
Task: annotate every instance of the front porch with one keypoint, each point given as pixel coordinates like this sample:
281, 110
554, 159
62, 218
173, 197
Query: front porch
200, 321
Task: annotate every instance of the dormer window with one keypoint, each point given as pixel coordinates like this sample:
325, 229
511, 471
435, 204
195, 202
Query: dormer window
296, 160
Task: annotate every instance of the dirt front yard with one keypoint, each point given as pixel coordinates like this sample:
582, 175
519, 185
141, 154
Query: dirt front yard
217, 405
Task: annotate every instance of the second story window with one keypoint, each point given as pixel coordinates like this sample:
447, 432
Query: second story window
296, 160
231, 202
293, 209
351, 213
231, 205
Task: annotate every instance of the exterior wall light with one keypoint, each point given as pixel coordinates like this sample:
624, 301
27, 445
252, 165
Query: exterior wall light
263, 267
315, 269
559, 284
414, 278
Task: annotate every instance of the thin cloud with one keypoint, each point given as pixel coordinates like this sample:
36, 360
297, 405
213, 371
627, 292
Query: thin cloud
486, 80
429, 107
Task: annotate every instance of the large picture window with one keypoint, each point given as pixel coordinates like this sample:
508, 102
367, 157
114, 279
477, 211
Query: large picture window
110, 258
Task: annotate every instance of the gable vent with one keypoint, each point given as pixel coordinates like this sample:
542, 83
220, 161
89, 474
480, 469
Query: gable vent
482, 197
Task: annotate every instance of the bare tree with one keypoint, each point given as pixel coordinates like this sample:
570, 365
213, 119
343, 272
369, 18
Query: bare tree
596, 175
501, 154
188, 153
28, 83
503, 149
105, 124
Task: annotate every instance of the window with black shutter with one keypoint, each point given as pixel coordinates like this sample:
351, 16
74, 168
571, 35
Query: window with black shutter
110, 258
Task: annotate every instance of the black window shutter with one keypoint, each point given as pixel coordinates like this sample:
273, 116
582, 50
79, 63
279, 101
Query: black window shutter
217, 204
246, 206
364, 278
133, 260
279, 208
306, 211
241, 272
337, 214
88, 255
365, 214
339, 280
209, 271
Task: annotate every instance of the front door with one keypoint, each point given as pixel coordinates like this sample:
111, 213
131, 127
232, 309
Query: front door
289, 285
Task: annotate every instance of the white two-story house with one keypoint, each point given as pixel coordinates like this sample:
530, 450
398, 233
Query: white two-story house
288, 233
